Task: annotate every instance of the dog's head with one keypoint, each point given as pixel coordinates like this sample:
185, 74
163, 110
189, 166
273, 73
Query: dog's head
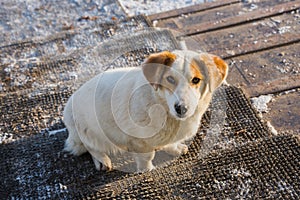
183, 78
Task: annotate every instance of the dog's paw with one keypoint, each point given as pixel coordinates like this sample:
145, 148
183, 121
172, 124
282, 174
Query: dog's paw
74, 147
182, 148
144, 161
102, 166
176, 149
148, 168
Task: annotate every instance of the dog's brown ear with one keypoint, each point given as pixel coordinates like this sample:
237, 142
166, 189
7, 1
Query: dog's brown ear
217, 69
155, 66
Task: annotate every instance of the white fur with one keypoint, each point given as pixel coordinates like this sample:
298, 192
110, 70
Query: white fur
119, 111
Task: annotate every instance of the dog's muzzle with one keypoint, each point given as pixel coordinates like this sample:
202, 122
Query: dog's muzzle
180, 109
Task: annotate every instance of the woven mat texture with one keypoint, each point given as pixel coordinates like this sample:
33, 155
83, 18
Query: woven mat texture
244, 162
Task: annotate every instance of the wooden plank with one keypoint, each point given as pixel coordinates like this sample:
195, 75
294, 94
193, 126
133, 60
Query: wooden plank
247, 17
273, 86
191, 9
183, 23
235, 76
271, 71
227, 16
249, 38
284, 113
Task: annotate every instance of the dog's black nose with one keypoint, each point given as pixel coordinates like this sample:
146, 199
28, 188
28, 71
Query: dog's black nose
181, 109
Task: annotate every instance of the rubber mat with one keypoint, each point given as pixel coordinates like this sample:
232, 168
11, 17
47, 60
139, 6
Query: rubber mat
245, 161
264, 169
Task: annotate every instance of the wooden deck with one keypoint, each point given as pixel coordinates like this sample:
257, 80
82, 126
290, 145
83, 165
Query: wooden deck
259, 40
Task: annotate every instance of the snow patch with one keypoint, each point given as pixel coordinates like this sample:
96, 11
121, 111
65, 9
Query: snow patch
284, 29
260, 103
148, 7
272, 129
56, 131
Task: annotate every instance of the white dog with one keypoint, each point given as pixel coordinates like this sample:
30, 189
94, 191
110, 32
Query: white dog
140, 110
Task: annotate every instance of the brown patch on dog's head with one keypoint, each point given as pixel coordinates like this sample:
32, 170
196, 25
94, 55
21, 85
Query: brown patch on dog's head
164, 58
217, 69
222, 66
156, 65
197, 76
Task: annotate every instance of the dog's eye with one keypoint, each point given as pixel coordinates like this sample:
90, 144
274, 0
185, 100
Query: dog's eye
171, 79
195, 80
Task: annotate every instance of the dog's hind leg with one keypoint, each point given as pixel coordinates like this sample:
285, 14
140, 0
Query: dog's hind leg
73, 143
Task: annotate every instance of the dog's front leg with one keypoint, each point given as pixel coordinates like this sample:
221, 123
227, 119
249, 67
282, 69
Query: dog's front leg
144, 161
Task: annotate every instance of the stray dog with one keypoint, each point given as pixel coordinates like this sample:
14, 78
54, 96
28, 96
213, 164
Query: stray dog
157, 106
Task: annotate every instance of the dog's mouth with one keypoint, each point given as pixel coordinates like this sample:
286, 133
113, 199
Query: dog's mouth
181, 117
177, 116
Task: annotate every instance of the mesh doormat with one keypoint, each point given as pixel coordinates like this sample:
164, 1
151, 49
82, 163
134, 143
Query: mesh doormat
243, 161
